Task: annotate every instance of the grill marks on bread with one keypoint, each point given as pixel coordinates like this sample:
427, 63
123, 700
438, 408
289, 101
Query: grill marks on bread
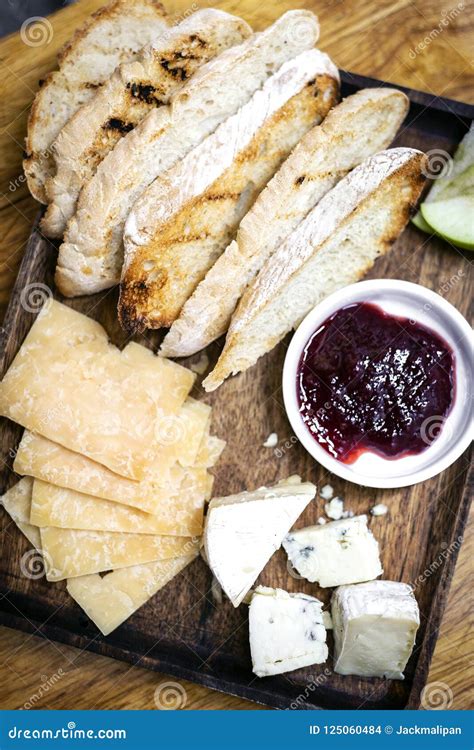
182, 249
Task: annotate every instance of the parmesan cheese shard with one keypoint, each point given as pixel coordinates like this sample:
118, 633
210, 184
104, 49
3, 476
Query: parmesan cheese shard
210, 451
243, 531
68, 509
161, 491
111, 599
108, 600
17, 503
74, 553
70, 385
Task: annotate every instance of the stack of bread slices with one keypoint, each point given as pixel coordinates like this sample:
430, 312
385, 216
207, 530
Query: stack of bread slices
215, 177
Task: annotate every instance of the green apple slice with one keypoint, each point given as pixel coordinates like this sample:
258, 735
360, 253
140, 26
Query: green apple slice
420, 223
463, 185
459, 181
452, 219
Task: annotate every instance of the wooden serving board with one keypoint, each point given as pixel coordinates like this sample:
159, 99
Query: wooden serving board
183, 630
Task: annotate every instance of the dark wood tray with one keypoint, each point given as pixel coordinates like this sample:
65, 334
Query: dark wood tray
182, 631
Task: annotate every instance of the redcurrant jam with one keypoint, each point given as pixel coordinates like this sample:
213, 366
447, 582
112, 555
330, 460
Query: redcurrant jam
371, 381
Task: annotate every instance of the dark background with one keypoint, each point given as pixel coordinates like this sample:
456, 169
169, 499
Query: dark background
14, 12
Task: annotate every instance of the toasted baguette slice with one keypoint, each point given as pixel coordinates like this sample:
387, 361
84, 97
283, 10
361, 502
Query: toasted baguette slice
357, 128
338, 241
183, 221
92, 254
122, 102
112, 35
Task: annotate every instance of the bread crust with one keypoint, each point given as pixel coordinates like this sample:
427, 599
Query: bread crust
133, 90
64, 90
373, 202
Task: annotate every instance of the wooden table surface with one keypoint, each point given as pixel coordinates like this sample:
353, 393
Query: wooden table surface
425, 45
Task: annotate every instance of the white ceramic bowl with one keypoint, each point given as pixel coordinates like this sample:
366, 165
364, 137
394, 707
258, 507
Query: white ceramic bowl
416, 303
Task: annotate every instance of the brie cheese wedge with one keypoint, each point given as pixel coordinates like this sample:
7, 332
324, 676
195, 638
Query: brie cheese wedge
374, 626
286, 631
243, 531
336, 553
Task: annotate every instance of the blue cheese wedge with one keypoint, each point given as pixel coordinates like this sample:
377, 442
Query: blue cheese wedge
243, 531
336, 553
374, 626
286, 631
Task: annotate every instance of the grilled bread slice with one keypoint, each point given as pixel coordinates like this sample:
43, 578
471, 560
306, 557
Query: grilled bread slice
122, 102
338, 241
91, 256
360, 126
184, 220
112, 35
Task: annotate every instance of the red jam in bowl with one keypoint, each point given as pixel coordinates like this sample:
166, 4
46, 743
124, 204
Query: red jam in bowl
371, 381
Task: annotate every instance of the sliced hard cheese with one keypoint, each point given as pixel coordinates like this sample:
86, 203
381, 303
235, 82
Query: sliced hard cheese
210, 451
340, 552
111, 599
374, 627
243, 531
68, 509
74, 553
70, 385
41, 458
286, 631
17, 503
181, 435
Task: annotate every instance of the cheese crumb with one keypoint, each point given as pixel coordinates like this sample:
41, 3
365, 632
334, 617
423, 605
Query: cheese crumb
216, 591
379, 510
327, 620
321, 521
271, 441
201, 365
335, 508
326, 492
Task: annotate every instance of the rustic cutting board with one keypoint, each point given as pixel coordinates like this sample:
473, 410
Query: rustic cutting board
183, 630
